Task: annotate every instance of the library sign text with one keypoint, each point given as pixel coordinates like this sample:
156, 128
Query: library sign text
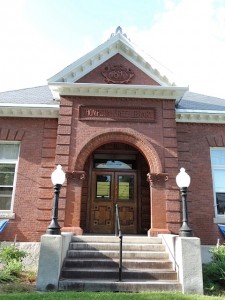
94, 113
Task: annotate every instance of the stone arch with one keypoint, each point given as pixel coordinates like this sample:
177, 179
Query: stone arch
127, 136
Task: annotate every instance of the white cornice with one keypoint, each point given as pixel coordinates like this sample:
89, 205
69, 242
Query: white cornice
116, 44
29, 110
52, 111
116, 90
200, 116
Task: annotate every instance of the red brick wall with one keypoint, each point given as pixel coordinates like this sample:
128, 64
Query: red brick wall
69, 141
87, 130
33, 197
194, 142
83, 137
140, 77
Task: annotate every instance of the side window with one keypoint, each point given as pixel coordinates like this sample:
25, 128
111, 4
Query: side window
218, 175
9, 153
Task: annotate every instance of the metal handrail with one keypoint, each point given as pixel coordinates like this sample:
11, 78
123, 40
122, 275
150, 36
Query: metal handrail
176, 265
119, 234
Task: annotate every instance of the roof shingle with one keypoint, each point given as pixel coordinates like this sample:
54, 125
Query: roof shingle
196, 101
35, 95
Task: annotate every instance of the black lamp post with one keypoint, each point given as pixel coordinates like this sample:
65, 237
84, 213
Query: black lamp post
183, 181
58, 178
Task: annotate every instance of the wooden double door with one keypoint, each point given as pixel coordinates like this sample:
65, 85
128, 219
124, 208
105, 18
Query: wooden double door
108, 189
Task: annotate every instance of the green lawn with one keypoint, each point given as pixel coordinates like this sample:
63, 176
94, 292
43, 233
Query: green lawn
103, 296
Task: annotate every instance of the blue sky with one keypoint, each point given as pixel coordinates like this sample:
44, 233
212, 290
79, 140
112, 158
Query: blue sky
41, 37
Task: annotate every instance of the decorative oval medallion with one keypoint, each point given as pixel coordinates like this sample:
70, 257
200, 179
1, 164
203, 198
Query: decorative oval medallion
117, 74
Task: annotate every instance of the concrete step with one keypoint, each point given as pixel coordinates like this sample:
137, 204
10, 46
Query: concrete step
147, 274
114, 254
115, 286
115, 246
115, 239
92, 264
109, 263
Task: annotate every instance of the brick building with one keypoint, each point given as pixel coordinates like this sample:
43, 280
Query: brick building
121, 131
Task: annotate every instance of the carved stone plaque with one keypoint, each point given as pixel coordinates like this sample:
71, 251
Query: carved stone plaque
123, 114
117, 74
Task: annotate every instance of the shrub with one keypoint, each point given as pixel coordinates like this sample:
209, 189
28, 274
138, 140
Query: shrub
14, 267
12, 258
9, 253
6, 277
214, 272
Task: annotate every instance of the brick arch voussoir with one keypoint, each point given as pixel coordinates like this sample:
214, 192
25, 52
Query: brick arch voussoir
216, 140
139, 143
11, 134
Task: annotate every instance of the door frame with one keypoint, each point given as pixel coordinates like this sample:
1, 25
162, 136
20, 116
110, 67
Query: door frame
130, 209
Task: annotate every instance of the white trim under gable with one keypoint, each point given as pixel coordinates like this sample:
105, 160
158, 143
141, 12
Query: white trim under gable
116, 90
118, 44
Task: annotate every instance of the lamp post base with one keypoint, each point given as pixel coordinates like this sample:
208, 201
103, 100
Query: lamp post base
185, 231
53, 231
53, 227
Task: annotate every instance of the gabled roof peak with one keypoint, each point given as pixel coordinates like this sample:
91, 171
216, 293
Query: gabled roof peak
118, 43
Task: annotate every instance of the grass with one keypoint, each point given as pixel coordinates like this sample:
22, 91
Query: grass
103, 296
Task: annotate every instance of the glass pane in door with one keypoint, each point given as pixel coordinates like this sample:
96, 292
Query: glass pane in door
125, 187
103, 186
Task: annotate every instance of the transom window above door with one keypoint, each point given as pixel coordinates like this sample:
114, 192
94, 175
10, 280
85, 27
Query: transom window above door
115, 162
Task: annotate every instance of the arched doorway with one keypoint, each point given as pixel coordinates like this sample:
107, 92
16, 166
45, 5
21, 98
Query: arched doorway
116, 175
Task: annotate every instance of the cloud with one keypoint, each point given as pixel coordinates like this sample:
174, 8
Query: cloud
25, 52
188, 38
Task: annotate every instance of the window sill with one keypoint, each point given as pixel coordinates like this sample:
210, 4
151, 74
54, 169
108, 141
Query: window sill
219, 219
7, 215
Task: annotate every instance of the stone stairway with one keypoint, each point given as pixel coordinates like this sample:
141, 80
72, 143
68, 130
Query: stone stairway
92, 265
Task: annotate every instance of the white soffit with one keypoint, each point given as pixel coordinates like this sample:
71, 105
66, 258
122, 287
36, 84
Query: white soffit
29, 110
117, 90
200, 116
